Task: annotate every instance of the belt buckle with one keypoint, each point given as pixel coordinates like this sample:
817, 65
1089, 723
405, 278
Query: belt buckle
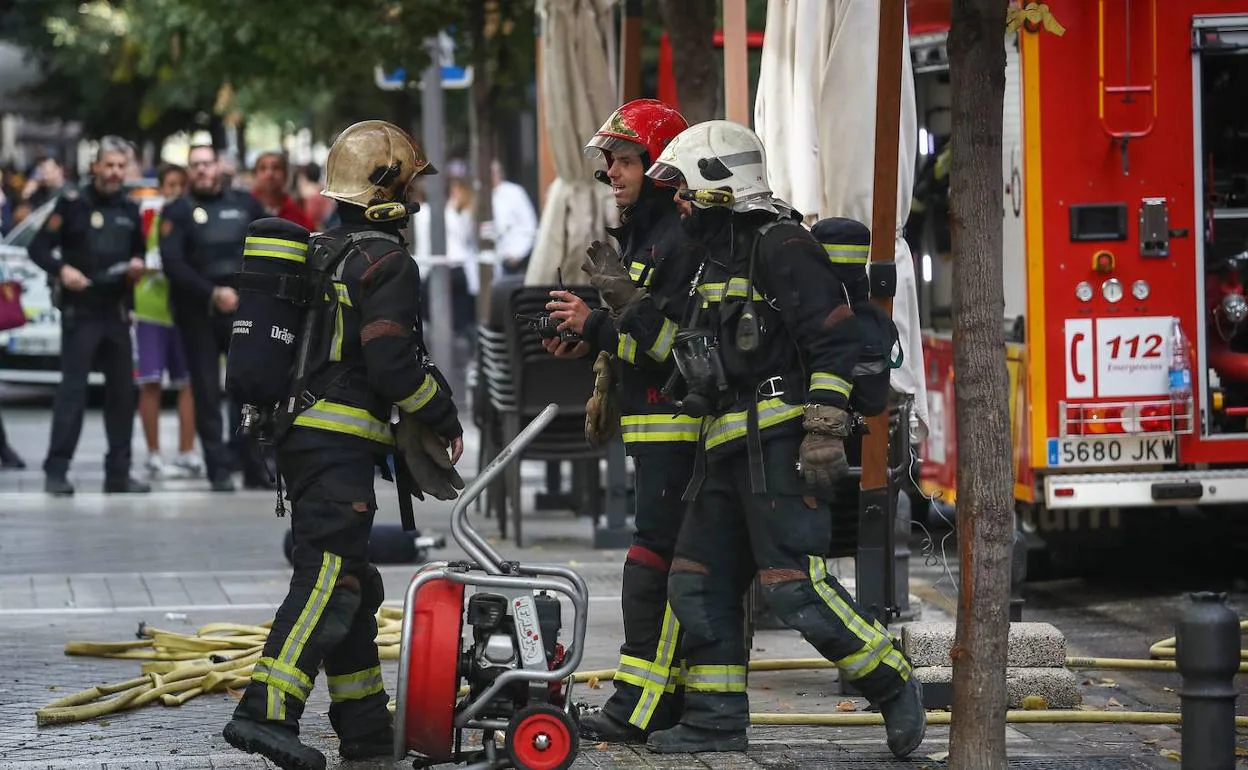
772, 387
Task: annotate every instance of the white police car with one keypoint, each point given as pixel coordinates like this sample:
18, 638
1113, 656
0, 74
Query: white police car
31, 353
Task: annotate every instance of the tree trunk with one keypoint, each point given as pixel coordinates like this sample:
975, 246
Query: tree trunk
985, 468
690, 26
482, 92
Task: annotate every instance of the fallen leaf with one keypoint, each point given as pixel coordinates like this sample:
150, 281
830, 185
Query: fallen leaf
939, 756
1241, 751
1035, 703
594, 684
1171, 754
846, 705
1152, 741
602, 746
1168, 689
1112, 703
1107, 680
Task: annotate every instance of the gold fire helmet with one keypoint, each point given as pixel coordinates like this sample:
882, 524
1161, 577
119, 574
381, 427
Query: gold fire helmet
373, 162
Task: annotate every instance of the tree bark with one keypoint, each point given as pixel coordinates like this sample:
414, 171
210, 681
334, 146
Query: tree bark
985, 501
482, 92
690, 26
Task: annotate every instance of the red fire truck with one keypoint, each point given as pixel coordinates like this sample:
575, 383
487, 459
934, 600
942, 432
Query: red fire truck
1125, 225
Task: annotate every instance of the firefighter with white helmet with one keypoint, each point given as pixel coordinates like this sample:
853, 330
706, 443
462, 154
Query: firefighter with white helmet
367, 357
768, 355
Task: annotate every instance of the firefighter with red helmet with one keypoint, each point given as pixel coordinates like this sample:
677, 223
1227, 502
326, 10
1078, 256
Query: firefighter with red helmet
644, 286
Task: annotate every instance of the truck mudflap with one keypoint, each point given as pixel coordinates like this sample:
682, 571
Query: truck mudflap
1141, 490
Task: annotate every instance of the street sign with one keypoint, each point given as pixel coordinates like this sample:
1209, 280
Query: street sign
454, 76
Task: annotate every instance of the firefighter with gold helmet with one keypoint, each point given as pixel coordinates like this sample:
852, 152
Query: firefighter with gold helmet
367, 358
641, 287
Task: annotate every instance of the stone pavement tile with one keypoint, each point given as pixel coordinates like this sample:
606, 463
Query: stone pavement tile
17, 592
165, 590
52, 591
90, 591
203, 589
128, 591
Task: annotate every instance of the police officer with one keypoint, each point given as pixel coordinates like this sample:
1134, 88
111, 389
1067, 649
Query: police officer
371, 359
771, 349
201, 245
100, 236
652, 274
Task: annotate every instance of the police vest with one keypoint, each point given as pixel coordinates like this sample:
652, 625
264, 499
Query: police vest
99, 241
218, 229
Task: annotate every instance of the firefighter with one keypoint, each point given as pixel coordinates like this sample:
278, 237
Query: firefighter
201, 244
371, 358
770, 352
100, 235
659, 258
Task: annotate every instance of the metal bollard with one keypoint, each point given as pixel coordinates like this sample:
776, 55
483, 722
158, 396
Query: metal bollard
1207, 651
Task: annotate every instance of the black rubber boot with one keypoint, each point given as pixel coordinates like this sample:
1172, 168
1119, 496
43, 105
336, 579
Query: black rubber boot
684, 739
371, 746
604, 728
277, 744
58, 486
905, 719
10, 459
126, 486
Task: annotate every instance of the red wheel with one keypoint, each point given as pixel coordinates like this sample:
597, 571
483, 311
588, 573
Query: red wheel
433, 668
542, 737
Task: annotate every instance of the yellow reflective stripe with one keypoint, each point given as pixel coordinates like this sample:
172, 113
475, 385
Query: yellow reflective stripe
845, 254
305, 624
344, 296
642, 672
288, 679
877, 646
662, 347
640, 428
355, 686
731, 426
423, 395
335, 342
626, 350
723, 679
735, 287
340, 418
635, 269
652, 689
829, 381
275, 248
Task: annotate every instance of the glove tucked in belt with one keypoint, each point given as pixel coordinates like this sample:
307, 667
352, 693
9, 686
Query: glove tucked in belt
425, 453
602, 411
821, 459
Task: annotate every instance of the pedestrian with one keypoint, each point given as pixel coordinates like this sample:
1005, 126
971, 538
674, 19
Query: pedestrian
270, 176
161, 352
776, 391
655, 264
201, 247
99, 233
461, 245
514, 227
376, 362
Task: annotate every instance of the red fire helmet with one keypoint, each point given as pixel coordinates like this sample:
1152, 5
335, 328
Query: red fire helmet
642, 125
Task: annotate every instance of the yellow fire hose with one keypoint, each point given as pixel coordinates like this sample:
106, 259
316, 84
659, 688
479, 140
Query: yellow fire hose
219, 657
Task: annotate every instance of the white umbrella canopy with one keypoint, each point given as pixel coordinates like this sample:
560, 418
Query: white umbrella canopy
822, 53
578, 95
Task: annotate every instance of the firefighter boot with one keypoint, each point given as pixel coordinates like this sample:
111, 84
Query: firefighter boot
604, 728
905, 719
686, 739
280, 745
371, 746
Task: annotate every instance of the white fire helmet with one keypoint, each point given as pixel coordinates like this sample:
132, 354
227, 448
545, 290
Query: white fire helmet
718, 155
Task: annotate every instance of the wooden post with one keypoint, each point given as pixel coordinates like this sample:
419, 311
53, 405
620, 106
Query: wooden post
875, 525
630, 52
545, 161
736, 63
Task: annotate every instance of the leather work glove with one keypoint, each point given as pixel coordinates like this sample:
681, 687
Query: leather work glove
609, 276
428, 462
821, 458
602, 411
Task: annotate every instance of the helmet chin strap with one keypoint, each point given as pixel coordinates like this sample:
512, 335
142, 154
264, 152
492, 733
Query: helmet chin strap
390, 212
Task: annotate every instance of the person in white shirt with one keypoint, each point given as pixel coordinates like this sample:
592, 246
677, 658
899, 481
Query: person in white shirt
514, 227
461, 243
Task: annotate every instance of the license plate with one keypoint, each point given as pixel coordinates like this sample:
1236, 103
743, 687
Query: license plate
31, 345
1125, 450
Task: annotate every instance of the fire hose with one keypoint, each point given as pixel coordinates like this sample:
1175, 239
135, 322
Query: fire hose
219, 658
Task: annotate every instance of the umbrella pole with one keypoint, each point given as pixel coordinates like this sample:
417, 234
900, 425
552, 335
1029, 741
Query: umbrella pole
877, 500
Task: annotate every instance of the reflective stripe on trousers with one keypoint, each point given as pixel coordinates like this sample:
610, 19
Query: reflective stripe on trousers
716, 679
877, 645
728, 427
360, 684
340, 418
653, 677
648, 428
309, 616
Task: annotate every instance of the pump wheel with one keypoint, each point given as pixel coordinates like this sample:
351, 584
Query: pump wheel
436, 616
542, 737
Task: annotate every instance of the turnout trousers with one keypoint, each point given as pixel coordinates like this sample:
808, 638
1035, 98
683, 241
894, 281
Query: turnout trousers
93, 335
329, 614
729, 534
647, 692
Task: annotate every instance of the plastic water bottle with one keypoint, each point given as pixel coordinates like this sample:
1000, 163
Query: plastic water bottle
1180, 364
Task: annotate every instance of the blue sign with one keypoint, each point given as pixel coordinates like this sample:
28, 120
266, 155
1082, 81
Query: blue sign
453, 75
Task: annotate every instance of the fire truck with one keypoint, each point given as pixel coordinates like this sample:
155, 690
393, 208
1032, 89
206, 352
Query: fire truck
1125, 225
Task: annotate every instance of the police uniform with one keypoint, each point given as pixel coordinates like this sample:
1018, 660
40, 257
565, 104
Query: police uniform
201, 245
98, 234
660, 258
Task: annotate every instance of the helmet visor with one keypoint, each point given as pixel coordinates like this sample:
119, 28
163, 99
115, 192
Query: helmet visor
664, 173
616, 145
